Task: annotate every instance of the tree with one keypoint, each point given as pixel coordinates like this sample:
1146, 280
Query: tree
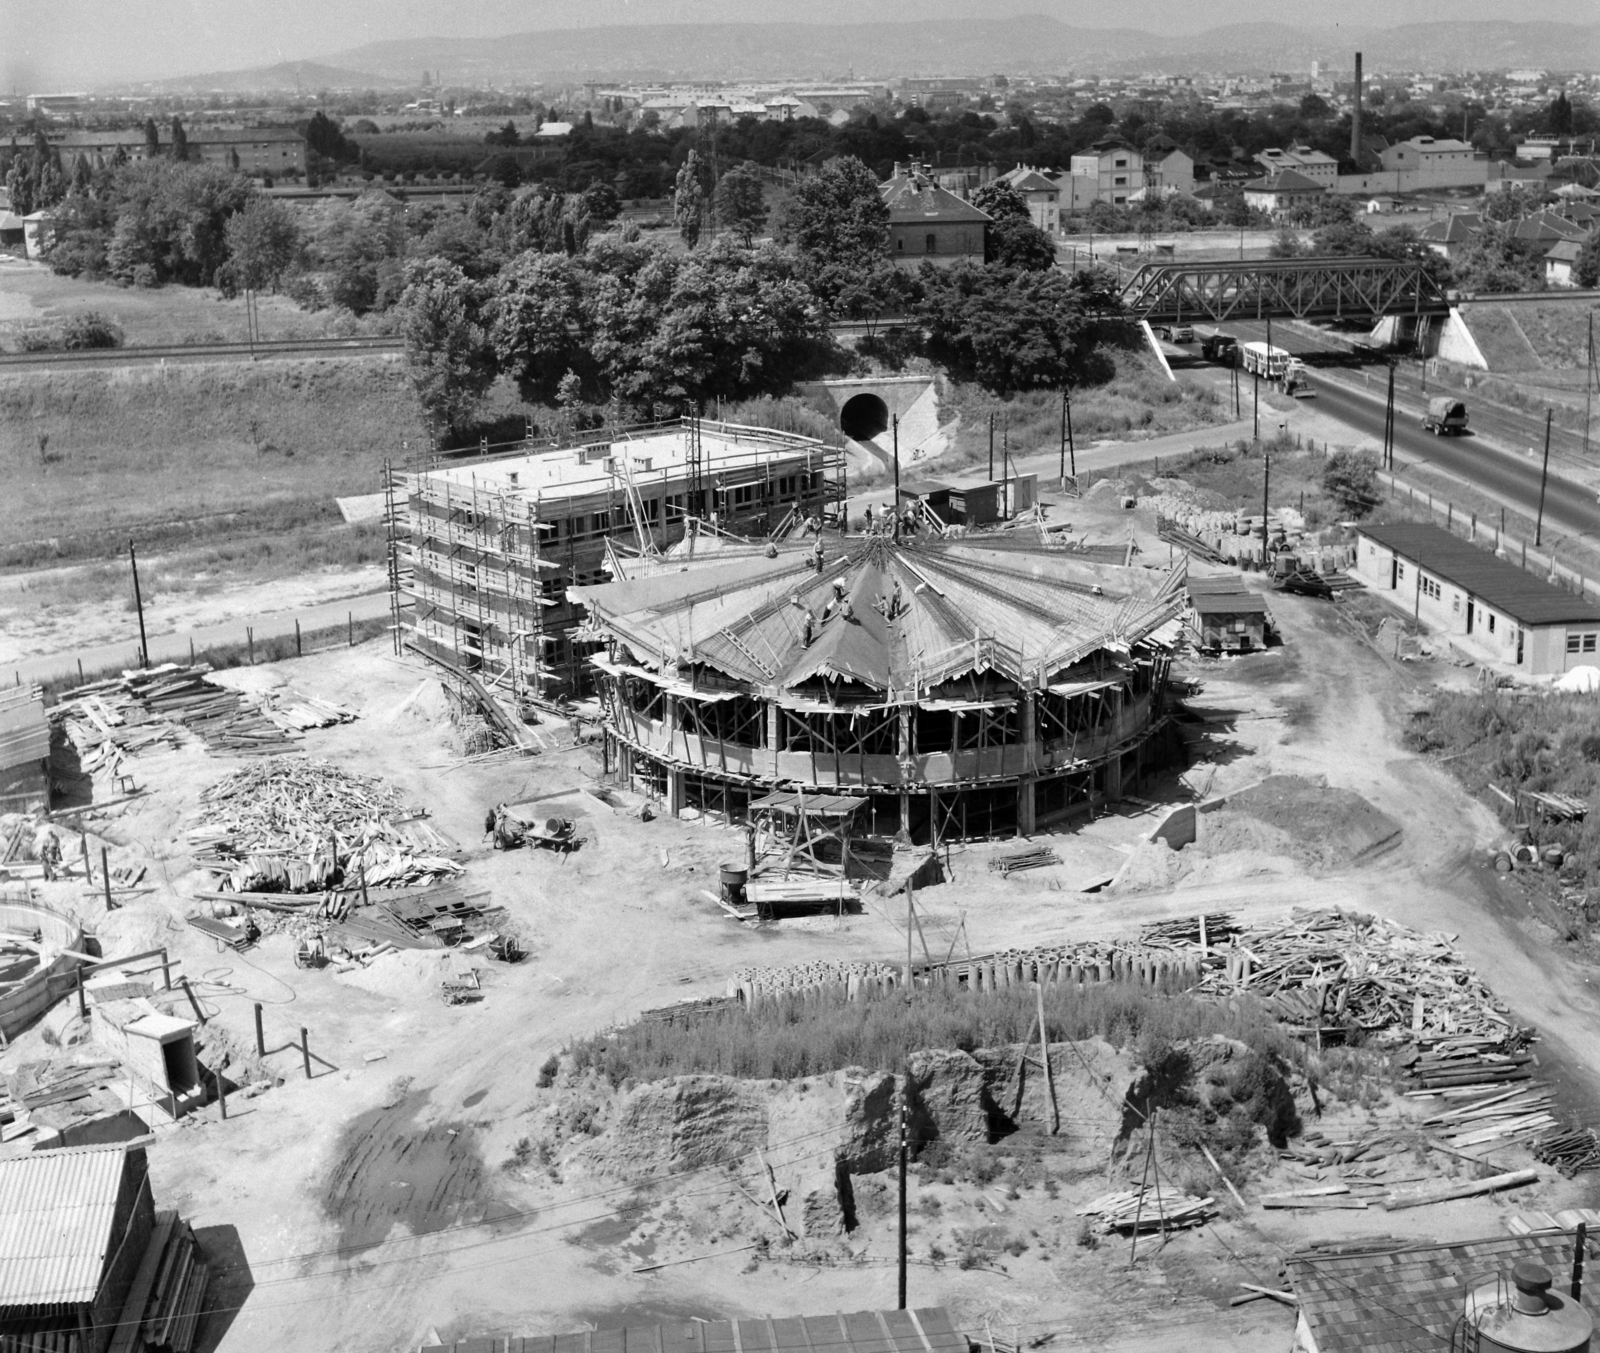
1559, 116
1001, 201
1497, 261
1586, 269
838, 215
1350, 478
601, 203
740, 203
325, 139
688, 200
448, 353
539, 323
1343, 238
1285, 244
1015, 242
1512, 203
506, 136
1313, 107
263, 240
1006, 330
152, 139
180, 140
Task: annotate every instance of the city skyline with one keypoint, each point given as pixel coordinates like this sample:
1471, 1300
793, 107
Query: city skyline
93, 43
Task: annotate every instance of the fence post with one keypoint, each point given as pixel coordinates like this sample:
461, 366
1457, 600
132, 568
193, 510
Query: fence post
261, 1038
1524, 554
350, 622
305, 1050
250, 641
166, 972
105, 878
297, 651
1449, 516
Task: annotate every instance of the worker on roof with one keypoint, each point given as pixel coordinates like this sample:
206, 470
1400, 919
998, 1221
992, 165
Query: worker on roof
49, 853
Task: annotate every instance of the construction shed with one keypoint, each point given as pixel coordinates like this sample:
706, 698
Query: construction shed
483, 551
928, 1330
74, 1227
1486, 605
1398, 1300
24, 750
979, 504
962, 686
157, 1050
1225, 616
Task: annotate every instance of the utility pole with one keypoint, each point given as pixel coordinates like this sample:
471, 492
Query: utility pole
1544, 478
1005, 469
1266, 480
895, 426
1072, 450
1388, 423
138, 605
1588, 385
991, 446
905, 1083
1256, 411
1063, 437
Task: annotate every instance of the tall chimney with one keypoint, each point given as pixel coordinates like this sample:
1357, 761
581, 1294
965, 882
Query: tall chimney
1355, 117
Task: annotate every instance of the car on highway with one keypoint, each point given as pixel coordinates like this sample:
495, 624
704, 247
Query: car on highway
1176, 333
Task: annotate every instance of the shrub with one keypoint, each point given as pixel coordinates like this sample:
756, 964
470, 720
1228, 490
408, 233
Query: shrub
1350, 478
89, 330
547, 1072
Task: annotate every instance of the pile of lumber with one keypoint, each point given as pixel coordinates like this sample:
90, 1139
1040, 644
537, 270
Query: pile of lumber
1207, 930
1148, 1209
295, 825
1568, 1149
167, 1297
1518, 1115
295, 713
1532, 1223
1014, 862
1451, 1063
1340, 968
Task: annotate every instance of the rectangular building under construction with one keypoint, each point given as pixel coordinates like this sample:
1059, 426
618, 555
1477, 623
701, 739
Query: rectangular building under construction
483, 550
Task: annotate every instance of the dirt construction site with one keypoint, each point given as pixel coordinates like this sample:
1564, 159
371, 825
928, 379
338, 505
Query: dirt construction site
437, 1139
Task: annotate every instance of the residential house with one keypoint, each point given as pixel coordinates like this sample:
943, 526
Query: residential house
1282, 192
1114, 168
1449, 237
1559, 263
1548, 227
1503, 176
13, 234
1426, 162
1482, 603
1315, 165
1172, 172
1043, 196
257, 151
928, 223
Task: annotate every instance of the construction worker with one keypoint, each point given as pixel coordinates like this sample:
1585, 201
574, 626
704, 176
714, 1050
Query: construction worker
49, 854
817, 556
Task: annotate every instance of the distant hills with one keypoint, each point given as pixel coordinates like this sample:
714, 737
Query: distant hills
1030, 45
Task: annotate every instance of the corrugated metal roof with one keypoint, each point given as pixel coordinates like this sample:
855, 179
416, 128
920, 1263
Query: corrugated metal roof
1402, 1301
1228, 603
24, 729
56, 1211
927, 1330
1527, 599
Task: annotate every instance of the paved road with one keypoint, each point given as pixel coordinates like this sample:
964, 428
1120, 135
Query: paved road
1494, 460
175, 647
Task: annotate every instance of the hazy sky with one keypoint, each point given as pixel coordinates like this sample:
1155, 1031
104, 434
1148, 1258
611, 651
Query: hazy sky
74, 44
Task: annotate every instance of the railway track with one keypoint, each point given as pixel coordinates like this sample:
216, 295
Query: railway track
364, 346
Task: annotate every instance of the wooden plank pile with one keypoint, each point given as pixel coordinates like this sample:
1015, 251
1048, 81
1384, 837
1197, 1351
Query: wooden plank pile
1502, 1116
1533, 1223
1569, 1149
1556, 807
1214, 928
1148, 1209
297, 825
168, 1295
1450, 1063
295, 713
1336, 968
1035, 857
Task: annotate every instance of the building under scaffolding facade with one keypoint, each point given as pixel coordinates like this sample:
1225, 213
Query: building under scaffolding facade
960, 686
483, 551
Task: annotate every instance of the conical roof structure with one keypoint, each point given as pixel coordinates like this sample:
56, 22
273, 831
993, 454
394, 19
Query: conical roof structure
883, 619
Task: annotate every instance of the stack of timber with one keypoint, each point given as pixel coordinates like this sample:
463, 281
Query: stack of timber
1570, 1150
166, 1300
298, 825
295, 713
1450, 1063
1207, 930
1035, 857
1148, 1209
1535, 1223
1493, 1119
1336, 968
141, 709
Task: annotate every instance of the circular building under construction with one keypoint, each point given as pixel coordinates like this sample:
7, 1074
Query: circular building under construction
953, 687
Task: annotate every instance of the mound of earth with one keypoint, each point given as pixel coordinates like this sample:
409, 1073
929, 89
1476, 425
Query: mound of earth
1327, 828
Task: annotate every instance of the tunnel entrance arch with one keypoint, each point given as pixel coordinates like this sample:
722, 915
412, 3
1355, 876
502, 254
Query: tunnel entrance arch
863, 417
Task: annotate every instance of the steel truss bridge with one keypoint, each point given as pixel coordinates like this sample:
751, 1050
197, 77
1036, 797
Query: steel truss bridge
1282, 288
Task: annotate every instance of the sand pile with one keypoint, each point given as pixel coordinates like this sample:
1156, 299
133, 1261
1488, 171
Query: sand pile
404, 972
136, 928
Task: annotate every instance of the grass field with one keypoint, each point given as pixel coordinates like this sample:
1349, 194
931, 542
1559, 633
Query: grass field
34, 299
184, 452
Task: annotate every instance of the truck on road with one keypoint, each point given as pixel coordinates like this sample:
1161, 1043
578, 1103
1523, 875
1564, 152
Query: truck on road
1220, 347
1445, 416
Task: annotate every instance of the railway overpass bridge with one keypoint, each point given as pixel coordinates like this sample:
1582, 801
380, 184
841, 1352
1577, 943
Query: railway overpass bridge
1364, 289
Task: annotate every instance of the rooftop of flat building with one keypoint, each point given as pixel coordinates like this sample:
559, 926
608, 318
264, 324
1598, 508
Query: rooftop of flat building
595, 466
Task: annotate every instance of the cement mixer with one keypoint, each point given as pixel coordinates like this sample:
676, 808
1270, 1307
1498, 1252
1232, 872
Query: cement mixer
516, 824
